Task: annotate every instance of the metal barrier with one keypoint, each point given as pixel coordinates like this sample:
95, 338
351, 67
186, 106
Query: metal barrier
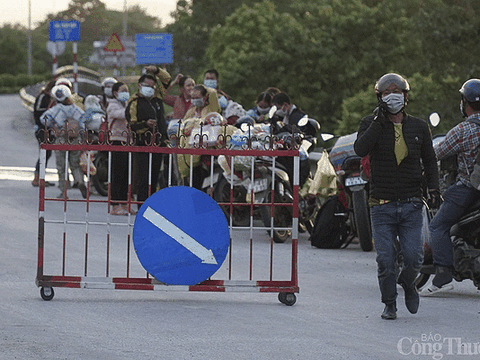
82, 245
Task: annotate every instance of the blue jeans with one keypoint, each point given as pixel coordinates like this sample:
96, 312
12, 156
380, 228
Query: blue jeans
456, 199
400, 221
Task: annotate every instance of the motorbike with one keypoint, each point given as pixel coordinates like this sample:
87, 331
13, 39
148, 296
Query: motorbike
353, 186
465, 234
241, 181
242, 186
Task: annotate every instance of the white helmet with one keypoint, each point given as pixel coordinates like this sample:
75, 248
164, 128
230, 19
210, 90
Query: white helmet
63, 81
61, 92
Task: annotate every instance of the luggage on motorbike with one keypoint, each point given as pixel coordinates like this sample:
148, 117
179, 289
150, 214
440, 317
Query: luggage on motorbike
330, 230
466, 262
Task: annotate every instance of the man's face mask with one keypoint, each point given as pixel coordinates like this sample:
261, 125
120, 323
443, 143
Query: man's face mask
395, 102
210, 83
147, 91
197, 102
280, 112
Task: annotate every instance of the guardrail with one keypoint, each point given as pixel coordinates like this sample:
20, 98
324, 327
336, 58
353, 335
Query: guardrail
89, 82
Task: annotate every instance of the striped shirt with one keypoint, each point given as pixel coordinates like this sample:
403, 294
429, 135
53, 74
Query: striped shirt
464, 141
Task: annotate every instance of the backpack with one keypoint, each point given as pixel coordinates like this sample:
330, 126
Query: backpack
330, 230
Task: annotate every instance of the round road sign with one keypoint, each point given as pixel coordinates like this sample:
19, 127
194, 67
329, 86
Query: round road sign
181, 236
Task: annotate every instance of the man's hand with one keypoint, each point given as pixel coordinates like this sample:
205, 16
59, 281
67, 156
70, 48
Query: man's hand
380, 112
151, 123
435, 199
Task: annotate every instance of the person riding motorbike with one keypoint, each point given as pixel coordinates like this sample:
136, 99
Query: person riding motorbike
463, 141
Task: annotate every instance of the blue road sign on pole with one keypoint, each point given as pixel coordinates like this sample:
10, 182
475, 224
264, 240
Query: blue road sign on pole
68, 30
154, 48
181, 236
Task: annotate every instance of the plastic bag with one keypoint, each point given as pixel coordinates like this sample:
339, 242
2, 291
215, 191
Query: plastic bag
324, 183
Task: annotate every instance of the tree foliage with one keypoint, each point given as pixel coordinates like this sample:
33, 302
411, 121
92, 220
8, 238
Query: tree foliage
326, 54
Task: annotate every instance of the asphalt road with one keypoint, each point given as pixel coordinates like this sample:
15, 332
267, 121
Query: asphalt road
337, 314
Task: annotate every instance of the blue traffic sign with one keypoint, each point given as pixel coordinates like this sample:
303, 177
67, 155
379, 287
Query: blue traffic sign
68, 30
154, 49
181, 236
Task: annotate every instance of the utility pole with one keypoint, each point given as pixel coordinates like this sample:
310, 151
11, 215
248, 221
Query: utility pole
29, 56
124, 68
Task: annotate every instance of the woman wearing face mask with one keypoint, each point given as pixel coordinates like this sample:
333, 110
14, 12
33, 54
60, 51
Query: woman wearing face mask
182, 102
107, 94
263, 104
204, 101
117, 126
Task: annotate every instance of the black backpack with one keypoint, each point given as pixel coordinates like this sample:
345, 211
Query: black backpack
330, 230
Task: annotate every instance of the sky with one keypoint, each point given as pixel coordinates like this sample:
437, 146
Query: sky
40, 8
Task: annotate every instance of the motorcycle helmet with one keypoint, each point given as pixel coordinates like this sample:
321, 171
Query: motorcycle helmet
63, 81
470, 90
61, 92
391, 78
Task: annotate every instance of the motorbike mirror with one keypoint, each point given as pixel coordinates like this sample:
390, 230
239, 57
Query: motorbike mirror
434, 119
272, 111
244, 127
303, 121
326, 137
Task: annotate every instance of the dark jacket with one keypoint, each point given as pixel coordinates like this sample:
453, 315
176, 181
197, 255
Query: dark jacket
390, 181
140, 109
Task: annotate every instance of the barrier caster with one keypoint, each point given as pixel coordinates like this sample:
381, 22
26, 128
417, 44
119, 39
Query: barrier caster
287, 298
47, 293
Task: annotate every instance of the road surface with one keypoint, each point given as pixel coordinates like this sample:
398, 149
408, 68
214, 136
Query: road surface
337, 314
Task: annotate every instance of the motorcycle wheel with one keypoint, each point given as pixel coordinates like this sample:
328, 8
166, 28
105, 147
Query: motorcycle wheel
221, 194
362, 220
282, 217
100, 179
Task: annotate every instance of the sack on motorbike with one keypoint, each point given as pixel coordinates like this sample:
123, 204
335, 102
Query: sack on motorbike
86, 162
103, 132
330, 230
466, 262
324, 183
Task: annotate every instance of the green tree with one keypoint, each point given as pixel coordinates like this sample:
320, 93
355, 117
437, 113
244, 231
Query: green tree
13, 43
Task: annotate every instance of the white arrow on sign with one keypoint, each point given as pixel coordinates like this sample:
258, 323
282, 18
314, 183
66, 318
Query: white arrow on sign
180, 236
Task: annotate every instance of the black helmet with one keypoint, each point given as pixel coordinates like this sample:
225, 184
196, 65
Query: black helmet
471, 90
391, 78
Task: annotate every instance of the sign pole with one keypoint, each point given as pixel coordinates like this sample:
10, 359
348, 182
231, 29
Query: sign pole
55, 63
75, 67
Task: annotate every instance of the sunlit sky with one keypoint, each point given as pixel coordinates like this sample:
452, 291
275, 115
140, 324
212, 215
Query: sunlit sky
18, 11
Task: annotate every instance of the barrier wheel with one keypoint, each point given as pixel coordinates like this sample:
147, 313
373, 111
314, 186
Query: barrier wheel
288, 299
47, 293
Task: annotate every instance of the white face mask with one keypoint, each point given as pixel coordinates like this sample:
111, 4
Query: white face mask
281, 113
108, 92
210, 83
123, 96
262, 111
197, 102
147, 91
395, 102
